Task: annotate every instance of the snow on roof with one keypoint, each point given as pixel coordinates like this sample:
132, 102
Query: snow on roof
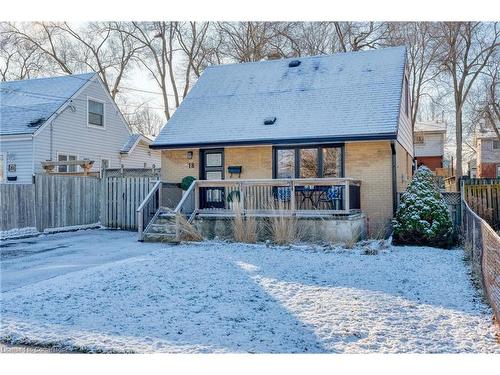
345, 95
430, 126
486, 134
133, 140
25, 105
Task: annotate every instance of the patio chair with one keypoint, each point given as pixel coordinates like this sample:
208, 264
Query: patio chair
282, 193
333, 197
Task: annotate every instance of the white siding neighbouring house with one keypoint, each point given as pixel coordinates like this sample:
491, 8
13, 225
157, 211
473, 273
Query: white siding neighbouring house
429, 140
63, 118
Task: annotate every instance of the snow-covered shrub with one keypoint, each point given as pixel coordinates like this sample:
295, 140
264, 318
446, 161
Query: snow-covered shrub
422, 217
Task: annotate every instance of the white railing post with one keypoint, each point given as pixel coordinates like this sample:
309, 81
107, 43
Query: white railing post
140, 224
242, 197
346, 197
196, 196
292, 196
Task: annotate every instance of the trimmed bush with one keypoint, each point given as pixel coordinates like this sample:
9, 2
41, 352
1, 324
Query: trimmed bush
186, 182
422, 217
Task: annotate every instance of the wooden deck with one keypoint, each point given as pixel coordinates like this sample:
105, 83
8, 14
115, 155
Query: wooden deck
305, 198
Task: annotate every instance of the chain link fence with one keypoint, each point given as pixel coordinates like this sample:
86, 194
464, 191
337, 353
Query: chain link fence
482, 248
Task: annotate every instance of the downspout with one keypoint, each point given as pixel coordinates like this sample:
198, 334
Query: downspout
394, 178
33, 158
51, 138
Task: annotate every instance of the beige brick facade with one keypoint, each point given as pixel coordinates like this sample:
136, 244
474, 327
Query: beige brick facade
403, 167
371, 162
175, 165
256, 162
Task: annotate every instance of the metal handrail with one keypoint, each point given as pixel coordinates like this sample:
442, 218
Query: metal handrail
185, 197
140, 209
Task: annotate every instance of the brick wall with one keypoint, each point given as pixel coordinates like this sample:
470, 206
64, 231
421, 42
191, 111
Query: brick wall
256, 162
403, 167
371, 162
175, 165
431, 162
487, 170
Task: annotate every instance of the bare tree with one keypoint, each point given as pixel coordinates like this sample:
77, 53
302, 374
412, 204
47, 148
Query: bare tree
104, 50
491, 107
96, 46
313, 38
423, 47
46, 38
144, 120
18, 60
248, 41
191, 37
157, 55
467, 49
356, 36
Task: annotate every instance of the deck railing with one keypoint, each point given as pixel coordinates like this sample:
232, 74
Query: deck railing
306, 196
264, 197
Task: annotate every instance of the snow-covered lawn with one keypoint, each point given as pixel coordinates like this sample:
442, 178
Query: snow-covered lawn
220, 297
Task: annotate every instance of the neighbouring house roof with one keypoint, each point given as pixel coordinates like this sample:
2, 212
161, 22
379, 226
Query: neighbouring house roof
430, 126
354, 95
133, 140
486, 134
26, 105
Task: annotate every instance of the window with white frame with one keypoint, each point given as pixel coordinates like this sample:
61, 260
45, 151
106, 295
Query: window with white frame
498, 170
496, 145
66, 168
419, 139
95, 113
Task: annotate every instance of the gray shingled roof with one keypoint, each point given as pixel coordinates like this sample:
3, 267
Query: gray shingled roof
25, 105
340, 96
130, 143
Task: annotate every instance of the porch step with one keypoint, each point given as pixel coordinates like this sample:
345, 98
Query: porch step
160, 237
167, 228
164, 220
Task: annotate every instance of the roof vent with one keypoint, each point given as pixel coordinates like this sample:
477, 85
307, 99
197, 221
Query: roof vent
37, 122
269, 120
294, 63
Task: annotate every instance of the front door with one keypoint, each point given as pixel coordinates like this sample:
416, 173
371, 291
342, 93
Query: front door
212, 165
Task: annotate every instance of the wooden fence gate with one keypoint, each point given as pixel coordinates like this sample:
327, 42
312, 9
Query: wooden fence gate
121, 198
483, 196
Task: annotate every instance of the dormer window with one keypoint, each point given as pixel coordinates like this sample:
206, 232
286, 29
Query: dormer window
95, 113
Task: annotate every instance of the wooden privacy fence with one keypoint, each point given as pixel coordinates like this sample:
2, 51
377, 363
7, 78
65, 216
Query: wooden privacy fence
56, 201
17, 206
121, 198
482, 247
66, 201
483, 196
51, 202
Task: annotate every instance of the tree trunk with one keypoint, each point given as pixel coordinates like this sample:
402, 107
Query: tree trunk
458, 132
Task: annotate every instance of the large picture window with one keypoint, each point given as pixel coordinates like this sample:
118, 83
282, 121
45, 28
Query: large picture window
308, 162
285, 163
